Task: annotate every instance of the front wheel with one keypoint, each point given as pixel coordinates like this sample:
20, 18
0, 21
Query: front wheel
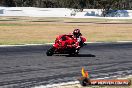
50, 52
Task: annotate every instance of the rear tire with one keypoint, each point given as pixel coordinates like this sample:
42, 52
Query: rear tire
50, 52
74, 53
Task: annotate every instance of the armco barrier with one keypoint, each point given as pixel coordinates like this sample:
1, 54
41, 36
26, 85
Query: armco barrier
61, 12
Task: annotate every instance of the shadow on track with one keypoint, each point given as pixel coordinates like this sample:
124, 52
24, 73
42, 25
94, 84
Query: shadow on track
82, 55
79, 55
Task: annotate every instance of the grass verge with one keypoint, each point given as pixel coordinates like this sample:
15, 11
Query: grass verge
41, 30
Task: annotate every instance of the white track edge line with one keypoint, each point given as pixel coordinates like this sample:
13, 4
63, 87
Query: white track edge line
53, 43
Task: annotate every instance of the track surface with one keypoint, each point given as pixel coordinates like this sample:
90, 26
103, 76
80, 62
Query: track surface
28, 66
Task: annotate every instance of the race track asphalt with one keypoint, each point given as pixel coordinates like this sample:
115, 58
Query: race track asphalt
28, 66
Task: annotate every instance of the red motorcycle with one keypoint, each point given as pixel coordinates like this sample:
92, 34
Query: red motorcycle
66, 44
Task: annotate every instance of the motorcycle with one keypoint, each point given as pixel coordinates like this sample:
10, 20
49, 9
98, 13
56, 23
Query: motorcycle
66, 44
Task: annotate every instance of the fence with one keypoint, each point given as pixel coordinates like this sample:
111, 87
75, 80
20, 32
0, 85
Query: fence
61, 12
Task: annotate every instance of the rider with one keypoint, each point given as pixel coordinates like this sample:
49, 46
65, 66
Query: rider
74, 37
77, 35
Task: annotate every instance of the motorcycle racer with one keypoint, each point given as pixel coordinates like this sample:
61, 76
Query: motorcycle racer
66, 41
67, 44
77, 35
71, 40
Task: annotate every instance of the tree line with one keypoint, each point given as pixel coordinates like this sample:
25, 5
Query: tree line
105, 5
89, 4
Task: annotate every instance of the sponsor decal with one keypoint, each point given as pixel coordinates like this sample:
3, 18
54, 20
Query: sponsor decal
86, 81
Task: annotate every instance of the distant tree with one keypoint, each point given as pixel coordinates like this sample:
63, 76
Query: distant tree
106, 5
24, 3
1, 2
9, 3
76, 4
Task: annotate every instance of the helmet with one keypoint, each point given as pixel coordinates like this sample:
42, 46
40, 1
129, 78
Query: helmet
76, 32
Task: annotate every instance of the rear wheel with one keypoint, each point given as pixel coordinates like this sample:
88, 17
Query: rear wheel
74, 52
50, 52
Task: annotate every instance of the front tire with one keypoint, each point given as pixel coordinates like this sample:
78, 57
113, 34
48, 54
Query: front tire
50, 52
